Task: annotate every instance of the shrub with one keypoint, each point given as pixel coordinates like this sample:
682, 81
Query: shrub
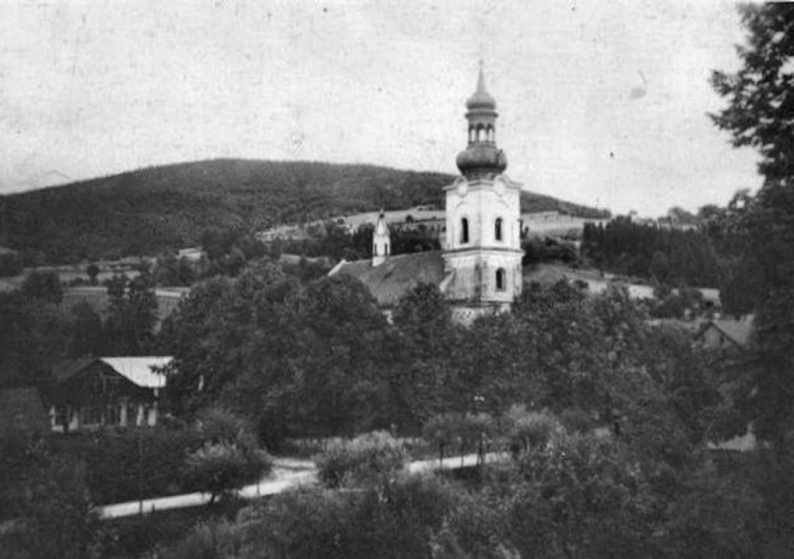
528, 429
463, 432
576, 420
223, 467
122, 465
210, 540
219, 425
363, 460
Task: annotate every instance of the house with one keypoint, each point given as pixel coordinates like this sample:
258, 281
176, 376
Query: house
726, 334
191, 254
105, 391
22, 412
479, 267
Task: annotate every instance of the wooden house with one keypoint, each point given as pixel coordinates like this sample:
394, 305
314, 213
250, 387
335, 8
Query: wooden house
106, 391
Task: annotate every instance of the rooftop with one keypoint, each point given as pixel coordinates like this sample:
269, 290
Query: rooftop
397, 275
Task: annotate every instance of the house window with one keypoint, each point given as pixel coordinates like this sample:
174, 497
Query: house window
92, 415
464, 230
497, 229
500, 279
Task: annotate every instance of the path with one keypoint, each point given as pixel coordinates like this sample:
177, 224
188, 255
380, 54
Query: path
288, 473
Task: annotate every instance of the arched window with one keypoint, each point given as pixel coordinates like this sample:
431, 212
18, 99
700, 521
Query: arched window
497, 229
500, 279
489, 133
480, 133
464, 230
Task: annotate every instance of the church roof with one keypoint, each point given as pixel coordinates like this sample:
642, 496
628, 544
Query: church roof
397, 275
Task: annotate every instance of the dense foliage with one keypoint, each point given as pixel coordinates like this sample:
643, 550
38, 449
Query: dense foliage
37, 330
759, 114
569, 495
667, 256
217, 453
149, 211
366, 459
45, 506
759, 111
319, 359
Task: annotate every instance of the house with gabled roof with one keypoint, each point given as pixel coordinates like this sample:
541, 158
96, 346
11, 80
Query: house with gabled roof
726, 333
106, 391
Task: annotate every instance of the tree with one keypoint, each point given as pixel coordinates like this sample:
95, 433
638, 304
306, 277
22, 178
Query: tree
132, 315
659, 268
760, 113
580, 497
34, 334
43, 285
229, 457
223, 467
369, 459
44, 495
92, 271
88, 335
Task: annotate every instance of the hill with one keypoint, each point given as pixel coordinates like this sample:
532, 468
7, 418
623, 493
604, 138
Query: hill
159, 208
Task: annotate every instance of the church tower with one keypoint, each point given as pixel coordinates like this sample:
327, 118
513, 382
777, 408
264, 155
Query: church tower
381, 241
482, 249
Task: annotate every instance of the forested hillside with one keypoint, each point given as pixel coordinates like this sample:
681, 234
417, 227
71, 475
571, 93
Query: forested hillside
154, 209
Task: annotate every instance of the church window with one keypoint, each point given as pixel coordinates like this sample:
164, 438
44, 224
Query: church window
497, 229
500, 279
464, 230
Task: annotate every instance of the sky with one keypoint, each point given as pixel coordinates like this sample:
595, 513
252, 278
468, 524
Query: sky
601, 103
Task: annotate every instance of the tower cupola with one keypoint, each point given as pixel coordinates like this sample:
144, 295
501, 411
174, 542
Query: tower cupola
381, 241
481, 158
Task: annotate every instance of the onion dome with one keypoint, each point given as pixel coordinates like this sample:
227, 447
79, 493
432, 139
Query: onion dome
481, 99
481, 160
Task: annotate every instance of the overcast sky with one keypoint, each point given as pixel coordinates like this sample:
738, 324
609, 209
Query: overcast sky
602, 103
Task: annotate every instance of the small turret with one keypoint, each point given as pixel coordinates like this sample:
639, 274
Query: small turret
381, 241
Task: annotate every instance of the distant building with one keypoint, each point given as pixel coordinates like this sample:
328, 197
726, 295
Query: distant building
479, 266
106, 391
726, 334
192, 254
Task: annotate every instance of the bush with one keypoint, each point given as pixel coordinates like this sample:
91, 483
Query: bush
397, 520
576, 420
219, 425
209, 540
528, 429
363, 460
461, 432
223, 467
128, 464
123, 465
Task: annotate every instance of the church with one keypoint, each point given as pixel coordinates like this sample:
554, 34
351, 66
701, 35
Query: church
478, 268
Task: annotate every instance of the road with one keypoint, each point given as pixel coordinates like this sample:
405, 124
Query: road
287, 474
